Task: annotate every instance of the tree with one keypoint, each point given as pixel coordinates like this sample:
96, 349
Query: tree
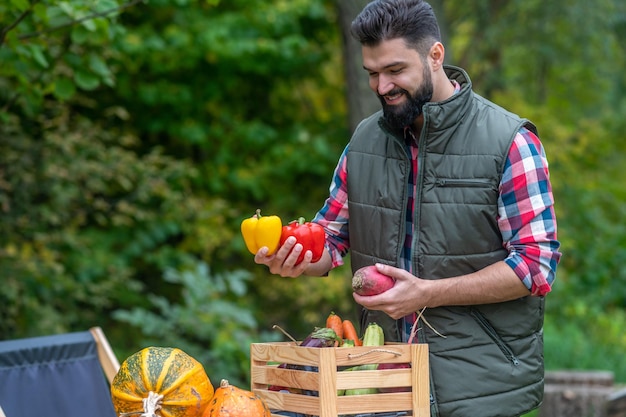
361, 100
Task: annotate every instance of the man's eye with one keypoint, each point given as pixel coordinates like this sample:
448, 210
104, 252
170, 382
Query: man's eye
395, 71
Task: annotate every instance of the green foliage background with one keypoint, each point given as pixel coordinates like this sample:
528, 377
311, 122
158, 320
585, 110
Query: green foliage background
135, 136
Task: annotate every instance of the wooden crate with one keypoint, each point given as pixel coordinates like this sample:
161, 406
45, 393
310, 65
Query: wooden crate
326, 375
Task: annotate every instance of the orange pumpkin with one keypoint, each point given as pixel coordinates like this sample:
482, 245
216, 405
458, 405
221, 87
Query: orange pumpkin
161, 381
231, 401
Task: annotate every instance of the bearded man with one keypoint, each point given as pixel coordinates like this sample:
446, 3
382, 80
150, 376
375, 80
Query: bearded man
450, 195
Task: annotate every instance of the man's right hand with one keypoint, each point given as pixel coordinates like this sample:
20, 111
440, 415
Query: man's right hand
283, 261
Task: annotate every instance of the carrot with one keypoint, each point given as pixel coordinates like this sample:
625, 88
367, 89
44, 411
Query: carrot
333, 321
349, 332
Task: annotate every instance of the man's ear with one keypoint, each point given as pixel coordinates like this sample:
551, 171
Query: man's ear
436, 55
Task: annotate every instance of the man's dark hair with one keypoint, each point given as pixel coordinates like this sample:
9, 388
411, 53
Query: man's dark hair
411, 20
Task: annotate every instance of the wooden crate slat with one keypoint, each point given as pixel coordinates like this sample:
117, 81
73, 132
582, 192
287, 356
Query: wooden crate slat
296, 403
373, 403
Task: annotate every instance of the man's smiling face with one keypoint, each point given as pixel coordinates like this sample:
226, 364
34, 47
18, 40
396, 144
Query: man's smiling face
400, 78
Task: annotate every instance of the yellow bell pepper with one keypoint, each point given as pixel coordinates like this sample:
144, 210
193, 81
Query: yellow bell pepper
259, 231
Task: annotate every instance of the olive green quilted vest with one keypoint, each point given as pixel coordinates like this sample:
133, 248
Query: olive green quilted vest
491, 362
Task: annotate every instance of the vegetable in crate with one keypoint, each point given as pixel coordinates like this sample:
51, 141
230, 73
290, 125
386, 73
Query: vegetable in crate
373, 336
310, 235
232, 401
164, 379
368, 281
349, 333
321, 337
259, 231
333, 321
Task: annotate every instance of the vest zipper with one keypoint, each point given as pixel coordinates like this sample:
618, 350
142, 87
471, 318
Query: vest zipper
416, 262
466, 182
491, 332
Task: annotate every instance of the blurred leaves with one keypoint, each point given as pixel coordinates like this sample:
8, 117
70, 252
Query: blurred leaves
213, 310
134, 143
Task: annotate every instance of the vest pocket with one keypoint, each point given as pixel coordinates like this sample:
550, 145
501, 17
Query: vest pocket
465, 182
493, 334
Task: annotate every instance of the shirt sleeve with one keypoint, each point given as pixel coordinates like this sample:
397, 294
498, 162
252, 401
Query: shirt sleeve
333, 216
526, 214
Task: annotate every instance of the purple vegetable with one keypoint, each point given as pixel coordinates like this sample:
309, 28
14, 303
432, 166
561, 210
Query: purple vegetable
321, 337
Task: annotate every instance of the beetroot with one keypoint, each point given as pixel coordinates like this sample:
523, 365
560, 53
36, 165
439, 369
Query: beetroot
368, 281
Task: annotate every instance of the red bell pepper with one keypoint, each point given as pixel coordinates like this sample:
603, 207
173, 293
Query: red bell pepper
310, 235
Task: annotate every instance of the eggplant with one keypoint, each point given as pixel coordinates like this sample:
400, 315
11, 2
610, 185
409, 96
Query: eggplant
321, 337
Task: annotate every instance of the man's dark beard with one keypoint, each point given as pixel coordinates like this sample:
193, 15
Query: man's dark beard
400, 116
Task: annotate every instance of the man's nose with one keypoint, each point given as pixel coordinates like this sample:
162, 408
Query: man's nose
383, 85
